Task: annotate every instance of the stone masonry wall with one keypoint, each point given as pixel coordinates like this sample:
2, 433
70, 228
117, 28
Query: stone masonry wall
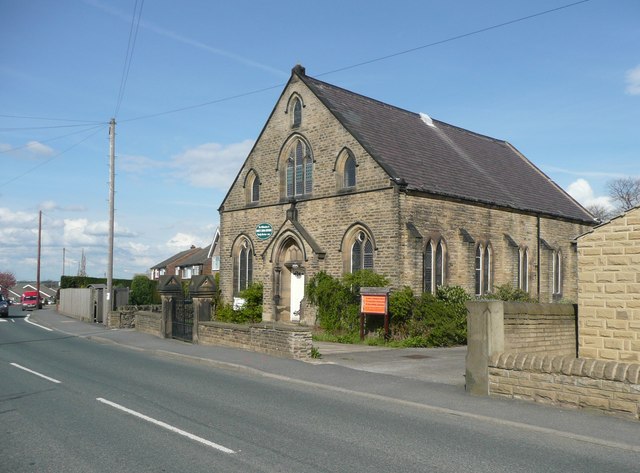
274, 339
609, 290
149, 322
611, 387
540, 328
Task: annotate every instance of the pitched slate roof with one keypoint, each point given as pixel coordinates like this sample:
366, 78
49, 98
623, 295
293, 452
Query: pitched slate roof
444, 159
199, 257
175, 258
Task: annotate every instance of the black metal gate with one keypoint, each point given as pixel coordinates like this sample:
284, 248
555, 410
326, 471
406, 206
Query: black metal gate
182, 320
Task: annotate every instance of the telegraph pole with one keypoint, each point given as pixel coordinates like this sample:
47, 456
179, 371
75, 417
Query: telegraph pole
112, 185
38, 270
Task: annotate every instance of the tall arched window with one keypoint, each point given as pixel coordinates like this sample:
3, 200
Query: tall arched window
297, 112
523, 269
299, 173
349, 172
434, 261
242, 266
361, 252
557, 272
483, 276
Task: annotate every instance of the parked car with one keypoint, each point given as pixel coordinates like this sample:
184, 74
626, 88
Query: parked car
4, 306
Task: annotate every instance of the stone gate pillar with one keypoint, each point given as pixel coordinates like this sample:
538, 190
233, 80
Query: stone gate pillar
202, 289
170, 289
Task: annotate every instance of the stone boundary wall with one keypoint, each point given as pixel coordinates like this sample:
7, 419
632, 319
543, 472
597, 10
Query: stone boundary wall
608, 386
273, 339
149, 322
540, 328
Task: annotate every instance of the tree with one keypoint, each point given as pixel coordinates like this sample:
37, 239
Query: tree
142, 290
625, 192
7, 280
600, 212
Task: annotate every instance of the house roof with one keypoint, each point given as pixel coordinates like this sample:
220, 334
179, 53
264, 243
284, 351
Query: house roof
434, 157
198, 257
175, 258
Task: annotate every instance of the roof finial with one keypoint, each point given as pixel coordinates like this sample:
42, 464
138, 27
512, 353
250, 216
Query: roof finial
299, 70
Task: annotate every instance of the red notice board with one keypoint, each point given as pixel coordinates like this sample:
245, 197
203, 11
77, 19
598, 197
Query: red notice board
373, 304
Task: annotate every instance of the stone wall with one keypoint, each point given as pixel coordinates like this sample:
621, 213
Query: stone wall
563, 379
609, 290
149, 322
611, 387
540, 328
273, 339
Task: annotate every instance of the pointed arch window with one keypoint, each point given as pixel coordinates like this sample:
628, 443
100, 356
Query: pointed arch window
297, 112
557, 272
483, 275
350, 171
255, 189
361, 252
242, 266
434, 261
299, 172
523, 269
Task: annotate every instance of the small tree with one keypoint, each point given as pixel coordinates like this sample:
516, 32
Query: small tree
143, 290
625, 192
7, 280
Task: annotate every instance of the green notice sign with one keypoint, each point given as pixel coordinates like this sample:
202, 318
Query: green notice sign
264, 231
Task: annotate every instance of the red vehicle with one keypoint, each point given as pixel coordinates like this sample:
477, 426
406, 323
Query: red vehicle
30, 300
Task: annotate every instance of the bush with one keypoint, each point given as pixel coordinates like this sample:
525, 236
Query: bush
507, 292
250, 312
143, 291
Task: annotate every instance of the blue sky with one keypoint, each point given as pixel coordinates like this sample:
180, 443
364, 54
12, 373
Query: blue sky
562, 87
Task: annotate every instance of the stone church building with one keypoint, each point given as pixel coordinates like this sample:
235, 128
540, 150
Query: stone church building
339, 182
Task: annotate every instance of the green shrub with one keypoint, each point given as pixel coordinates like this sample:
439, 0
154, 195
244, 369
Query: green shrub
250, 312
143, 291
507, 292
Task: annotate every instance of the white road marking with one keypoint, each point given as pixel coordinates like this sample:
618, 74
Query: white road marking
36, 373
26, 319
166, 426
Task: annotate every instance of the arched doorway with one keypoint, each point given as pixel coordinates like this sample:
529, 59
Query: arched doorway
290, 280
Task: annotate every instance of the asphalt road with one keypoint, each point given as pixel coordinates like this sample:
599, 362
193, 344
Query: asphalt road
68, 403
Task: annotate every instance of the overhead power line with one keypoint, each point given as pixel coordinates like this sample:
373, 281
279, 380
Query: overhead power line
370, 61
15, 178
50, 119
133, 35
89, 128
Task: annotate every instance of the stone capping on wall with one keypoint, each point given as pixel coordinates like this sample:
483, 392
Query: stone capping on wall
610, 387
568, 365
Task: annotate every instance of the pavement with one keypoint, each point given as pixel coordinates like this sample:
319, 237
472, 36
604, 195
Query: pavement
436, 365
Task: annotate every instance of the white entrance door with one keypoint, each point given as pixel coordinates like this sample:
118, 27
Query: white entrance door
297, 294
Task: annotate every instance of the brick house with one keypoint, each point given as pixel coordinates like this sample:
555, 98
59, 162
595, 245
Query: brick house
338, 182
609, 290
172, 264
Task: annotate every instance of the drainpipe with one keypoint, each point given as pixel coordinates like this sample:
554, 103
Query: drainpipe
538, 257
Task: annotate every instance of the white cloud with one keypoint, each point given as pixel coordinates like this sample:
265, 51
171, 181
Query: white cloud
212, 165
39, 149
633, 81
183, 241
582, 191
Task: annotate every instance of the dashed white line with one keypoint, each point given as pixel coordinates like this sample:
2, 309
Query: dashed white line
166, 426
53, 380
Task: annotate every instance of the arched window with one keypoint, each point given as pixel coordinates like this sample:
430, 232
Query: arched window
242, 266
255, 190
297, 112
349, 172
557, 272
299, 172
361, 252
434, 261
523, 269
483, 276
